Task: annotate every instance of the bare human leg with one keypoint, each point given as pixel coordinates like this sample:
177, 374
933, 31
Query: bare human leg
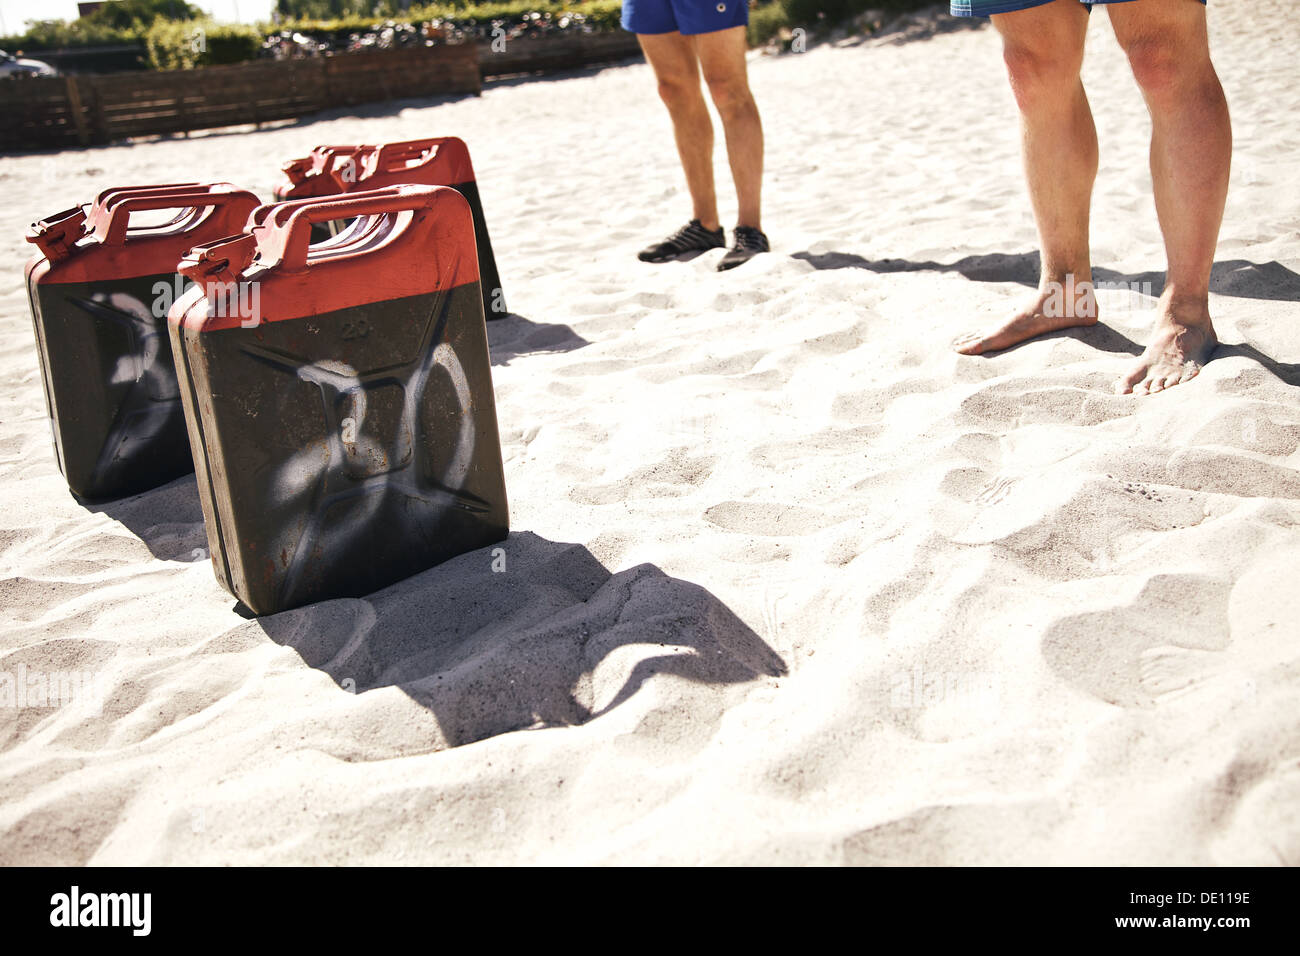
722, 58
677, 70
1191, 154
1043, 50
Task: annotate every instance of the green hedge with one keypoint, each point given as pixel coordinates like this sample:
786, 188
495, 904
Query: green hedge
171, 45
59, 35
120, 22
358, 12
767, 22
230, 43
601, 14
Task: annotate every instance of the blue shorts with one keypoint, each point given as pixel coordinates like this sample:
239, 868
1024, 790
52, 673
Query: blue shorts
986, 8
684, 16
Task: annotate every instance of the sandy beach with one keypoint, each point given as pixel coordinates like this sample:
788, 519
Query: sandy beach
789, 581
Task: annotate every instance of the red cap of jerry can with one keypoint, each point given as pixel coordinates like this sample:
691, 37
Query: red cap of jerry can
56, 235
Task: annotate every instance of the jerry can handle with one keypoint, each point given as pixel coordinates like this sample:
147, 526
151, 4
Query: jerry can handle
118, 193
278, 212
113, 230
394, 156
287, 241
407, 149
106, 200
335, 148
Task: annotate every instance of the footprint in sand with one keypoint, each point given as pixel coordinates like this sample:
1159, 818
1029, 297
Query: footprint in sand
1104, 653
768, 518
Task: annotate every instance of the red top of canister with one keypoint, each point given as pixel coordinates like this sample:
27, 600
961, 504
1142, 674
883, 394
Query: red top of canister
413, 240
97, 241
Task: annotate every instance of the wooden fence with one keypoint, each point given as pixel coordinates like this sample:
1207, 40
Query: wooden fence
562, 52
43, 112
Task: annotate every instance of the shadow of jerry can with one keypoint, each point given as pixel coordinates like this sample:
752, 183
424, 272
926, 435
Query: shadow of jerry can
339, 397
440, 161
99, 293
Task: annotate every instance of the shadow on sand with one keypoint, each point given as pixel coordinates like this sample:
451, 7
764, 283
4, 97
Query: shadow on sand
514, 335
1235, 277
168, 519
514, 636
526, 644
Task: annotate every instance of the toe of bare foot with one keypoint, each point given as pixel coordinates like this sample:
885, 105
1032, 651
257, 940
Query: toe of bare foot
1178, 351
1147, 378
972, 343
1013, 333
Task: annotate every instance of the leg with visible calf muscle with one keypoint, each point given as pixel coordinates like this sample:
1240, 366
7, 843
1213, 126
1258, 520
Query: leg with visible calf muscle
1191, 154
1043, 50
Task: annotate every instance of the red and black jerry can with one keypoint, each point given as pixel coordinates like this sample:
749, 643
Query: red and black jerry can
339, 396
99, 293
441, 161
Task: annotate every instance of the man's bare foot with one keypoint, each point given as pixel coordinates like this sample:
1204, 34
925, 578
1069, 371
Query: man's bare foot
1182, 342
1055, 306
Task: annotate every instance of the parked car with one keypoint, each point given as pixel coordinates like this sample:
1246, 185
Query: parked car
11, 65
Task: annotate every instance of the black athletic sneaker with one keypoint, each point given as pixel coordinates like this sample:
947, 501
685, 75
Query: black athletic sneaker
749, 243
692, 237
